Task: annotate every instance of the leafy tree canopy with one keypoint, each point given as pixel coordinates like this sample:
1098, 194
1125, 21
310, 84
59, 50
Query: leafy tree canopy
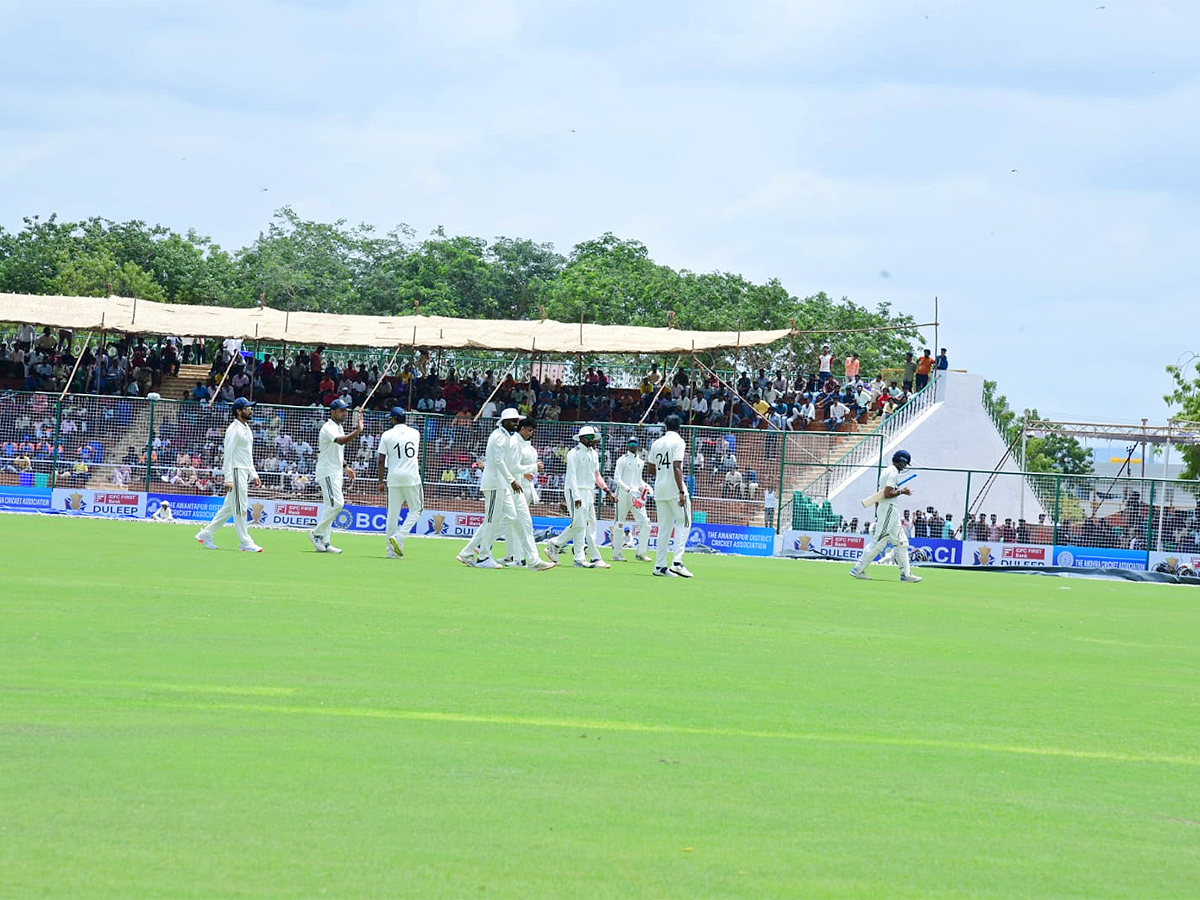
339, 268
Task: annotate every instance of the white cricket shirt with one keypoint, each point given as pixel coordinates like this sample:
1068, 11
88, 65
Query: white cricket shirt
583, 465
329, 451
400, 446
627, 473
496, 473
663, 454
239, 449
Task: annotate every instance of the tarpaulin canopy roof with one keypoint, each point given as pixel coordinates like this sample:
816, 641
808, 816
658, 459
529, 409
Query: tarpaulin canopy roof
124, 314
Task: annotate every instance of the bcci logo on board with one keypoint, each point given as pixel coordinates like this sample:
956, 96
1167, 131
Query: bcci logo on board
342, 520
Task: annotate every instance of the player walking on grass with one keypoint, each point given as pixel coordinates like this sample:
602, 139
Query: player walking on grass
632, 491
579, 486
523, 458
400, 477
887, 522
498, 485
674, 507
331, 470
239, 475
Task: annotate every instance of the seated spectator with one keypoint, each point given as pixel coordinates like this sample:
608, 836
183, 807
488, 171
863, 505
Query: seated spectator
837, 414
734, 487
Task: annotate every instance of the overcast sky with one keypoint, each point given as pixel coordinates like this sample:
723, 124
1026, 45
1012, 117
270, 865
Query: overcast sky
1033, 165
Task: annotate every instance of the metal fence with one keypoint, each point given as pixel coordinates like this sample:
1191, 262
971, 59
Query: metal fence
1010, 507
170, 446
801, 480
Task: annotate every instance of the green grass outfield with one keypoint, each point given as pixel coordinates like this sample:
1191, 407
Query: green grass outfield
176, 722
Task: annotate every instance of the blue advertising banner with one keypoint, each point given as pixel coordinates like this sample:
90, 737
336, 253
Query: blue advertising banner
935, 550
185, 506
1100, 558
25, 499
739, 539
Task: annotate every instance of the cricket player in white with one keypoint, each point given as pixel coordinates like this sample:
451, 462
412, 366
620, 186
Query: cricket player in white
331, 470
498, 485
632, 491
239, 473
671, 500
522, 548
579, 486
887, 522
400, 476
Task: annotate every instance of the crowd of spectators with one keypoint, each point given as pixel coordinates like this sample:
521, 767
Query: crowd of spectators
128, 366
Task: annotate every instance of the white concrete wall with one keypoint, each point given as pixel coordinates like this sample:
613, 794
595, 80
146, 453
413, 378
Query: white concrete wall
955, 433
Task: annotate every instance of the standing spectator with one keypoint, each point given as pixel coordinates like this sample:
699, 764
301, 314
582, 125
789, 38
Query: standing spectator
239, 473
770, 506
924, 367
824, 364
853, 366
948, 528
943, 362
910, 368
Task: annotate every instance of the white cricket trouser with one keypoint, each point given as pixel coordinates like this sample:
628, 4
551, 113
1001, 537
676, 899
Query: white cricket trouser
674, 524
236, 503
641, 523
410, 495
331, 494
887, 531
498, 509
518, 539
582, 529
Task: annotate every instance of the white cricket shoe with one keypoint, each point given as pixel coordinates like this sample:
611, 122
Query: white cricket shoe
584, 564
329, 548
542, 566
465, 558
250, 548
861, 576
391, 555
207, 543
514, 564
552, 551
318, 543
618, 558
665, 573
397, 544
680, 570
487, 563
642, 557
910, 578
600, 564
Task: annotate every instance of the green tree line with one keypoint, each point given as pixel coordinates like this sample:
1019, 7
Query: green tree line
339, 268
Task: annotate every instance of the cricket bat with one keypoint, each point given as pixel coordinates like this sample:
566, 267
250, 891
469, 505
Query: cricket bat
878, 495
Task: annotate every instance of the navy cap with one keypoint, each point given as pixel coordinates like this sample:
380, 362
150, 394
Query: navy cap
242, 403
339, 403
397, 413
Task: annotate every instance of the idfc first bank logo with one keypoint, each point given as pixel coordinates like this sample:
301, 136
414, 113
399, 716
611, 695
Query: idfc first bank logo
295, 515
116, 504
843, 546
